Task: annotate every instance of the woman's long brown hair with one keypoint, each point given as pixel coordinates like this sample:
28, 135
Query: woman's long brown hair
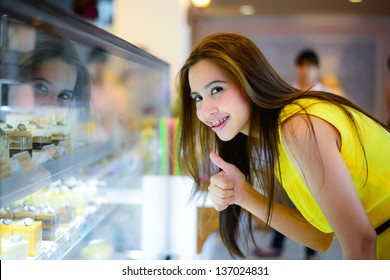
267, 93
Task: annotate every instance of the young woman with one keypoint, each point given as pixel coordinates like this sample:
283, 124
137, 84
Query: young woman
330, 157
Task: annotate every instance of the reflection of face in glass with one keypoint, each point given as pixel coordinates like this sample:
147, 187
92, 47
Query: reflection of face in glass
54, 82
51, 75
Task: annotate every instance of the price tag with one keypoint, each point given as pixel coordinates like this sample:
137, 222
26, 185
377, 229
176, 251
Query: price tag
51, 151
54, 252
25, 161
74, 234
5, 168
43, 256
65, 146
90, 220
63, 244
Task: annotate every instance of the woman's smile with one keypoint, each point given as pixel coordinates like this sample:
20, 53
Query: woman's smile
219, 123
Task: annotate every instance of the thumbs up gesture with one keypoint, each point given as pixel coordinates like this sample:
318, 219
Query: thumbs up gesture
228, 186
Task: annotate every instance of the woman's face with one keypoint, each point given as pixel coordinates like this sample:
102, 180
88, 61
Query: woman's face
219, 102
53, 83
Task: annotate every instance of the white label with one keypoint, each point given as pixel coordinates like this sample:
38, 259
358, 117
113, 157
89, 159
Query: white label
51, 151
25, 161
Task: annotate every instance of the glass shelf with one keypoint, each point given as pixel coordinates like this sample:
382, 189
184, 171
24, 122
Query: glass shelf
25, 183
73, 239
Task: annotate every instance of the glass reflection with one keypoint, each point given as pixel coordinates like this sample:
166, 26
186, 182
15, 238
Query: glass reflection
51, 75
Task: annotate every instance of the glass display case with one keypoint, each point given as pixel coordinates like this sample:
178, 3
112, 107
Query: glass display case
80, 121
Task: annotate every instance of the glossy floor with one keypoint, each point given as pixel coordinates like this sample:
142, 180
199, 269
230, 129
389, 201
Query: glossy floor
214, 249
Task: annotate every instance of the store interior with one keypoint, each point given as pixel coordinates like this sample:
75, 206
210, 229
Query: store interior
88, 117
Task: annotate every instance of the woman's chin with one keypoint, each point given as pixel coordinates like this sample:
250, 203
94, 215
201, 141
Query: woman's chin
225, 137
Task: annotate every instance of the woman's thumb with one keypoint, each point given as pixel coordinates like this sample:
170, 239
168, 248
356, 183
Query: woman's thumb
218, 161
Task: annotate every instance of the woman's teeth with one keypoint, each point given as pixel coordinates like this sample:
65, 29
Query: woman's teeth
218, 122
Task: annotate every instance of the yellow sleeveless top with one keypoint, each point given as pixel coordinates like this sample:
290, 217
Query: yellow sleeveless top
373, 187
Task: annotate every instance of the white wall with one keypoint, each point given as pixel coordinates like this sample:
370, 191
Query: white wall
159, 27
169, 221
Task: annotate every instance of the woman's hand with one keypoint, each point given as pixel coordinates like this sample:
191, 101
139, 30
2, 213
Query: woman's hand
228, 186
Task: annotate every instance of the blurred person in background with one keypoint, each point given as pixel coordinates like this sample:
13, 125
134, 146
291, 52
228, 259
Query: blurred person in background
307, 65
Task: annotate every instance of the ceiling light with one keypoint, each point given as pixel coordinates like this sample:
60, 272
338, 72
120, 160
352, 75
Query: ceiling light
355, 1
247, 10
201, 3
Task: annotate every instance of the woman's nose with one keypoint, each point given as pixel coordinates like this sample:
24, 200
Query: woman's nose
209, 107
46, 101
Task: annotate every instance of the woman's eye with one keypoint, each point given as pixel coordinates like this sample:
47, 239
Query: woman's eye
216, 90
196, 97
41, 88
65, 95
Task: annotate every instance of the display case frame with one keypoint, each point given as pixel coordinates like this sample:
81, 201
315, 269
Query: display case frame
74, 28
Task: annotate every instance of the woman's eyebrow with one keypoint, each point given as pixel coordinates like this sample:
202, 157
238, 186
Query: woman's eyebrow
213, 82
42, 79
208, 85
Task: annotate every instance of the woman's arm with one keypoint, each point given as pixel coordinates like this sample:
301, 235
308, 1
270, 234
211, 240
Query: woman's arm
229, 187
318, 159
287, 220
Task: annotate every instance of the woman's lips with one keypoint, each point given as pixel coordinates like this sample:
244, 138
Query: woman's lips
217, 125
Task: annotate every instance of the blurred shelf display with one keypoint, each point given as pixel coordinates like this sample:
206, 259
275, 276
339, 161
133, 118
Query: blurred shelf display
72, 241
80, 111
19, 185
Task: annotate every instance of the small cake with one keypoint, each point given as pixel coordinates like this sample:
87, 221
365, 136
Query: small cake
77, 198
20, 140
41, 136
6, 212
60, 132
58, 195
32, 232
50, 222
63, 195
67, 213
5, 168
26, 211
7, 128
14, 248
4, 149
41, 197
5, 230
